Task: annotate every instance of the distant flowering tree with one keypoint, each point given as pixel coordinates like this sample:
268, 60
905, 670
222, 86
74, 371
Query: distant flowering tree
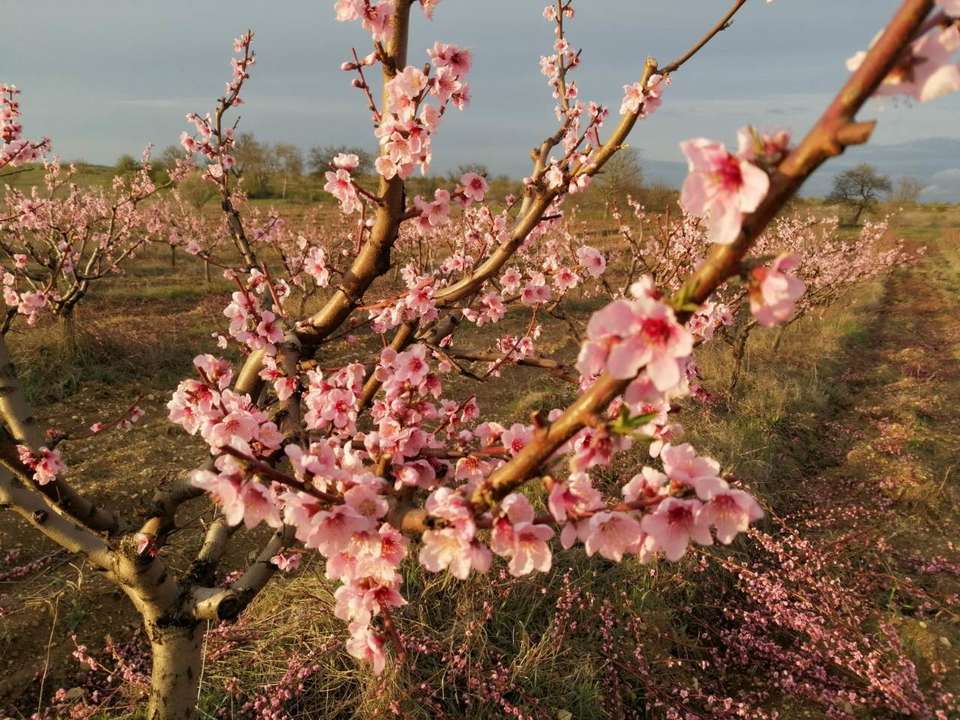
14, 148
56, 241
369, 459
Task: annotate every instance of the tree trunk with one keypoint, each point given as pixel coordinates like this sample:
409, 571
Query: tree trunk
739, 352
175, 678
206, 271
68, 334
173, 256
856, 218
779, 338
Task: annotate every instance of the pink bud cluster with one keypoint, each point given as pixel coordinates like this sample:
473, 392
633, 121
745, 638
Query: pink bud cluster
210, 139
45, 463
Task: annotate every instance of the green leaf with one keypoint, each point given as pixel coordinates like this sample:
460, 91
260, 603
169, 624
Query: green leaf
628, 424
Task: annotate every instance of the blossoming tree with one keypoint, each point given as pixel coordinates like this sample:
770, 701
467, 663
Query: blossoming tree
368, 459
59, 240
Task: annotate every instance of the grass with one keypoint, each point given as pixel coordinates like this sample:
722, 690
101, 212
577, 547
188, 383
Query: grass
775, 435
578, 642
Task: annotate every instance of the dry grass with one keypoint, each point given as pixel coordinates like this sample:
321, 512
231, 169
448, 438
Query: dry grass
779, 434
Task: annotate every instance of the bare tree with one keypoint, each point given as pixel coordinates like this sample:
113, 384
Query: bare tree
859, 188
907, 190
622, 176
289, 162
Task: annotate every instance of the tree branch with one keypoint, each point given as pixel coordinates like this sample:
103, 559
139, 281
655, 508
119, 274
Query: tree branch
835, 130
228, 603
25, 430
721, 25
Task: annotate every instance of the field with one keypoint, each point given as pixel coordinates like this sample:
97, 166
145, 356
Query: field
844, 600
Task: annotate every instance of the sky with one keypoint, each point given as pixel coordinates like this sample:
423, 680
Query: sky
106, 77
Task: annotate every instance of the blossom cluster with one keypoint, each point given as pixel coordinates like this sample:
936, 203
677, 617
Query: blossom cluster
407, 121
49, 261
930, 68
722, 187
45, 463
210, 139
14, 148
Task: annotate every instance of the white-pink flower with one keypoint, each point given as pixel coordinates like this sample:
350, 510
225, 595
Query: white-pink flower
611, 534
516, 536
674, 524
447, 549
721, 187
730, 512
628, 335
591, 260
929, 70
774, 291
682, 465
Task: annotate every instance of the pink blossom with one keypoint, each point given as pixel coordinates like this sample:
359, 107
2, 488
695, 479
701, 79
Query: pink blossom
365, 645
648, 484
611, 534
257, 504
215, 370
774, 291
536, 292
516, 536
330, 531
674, 524
46, 464
366, 501
643, 100
628, 335
239, 425
348, 10
447, 549
346, 161
730, 512
511, 279
928, 71
340, 185
591, 260
411, 366
682, 465
474, 186
286, 562
721, 187
574, 498
516, 438
457, 59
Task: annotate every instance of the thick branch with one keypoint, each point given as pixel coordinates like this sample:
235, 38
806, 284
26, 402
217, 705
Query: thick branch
228, 603
25, 430
373, 259
33, 507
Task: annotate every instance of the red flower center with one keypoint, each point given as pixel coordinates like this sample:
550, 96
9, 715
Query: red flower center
728, 173
657, 330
